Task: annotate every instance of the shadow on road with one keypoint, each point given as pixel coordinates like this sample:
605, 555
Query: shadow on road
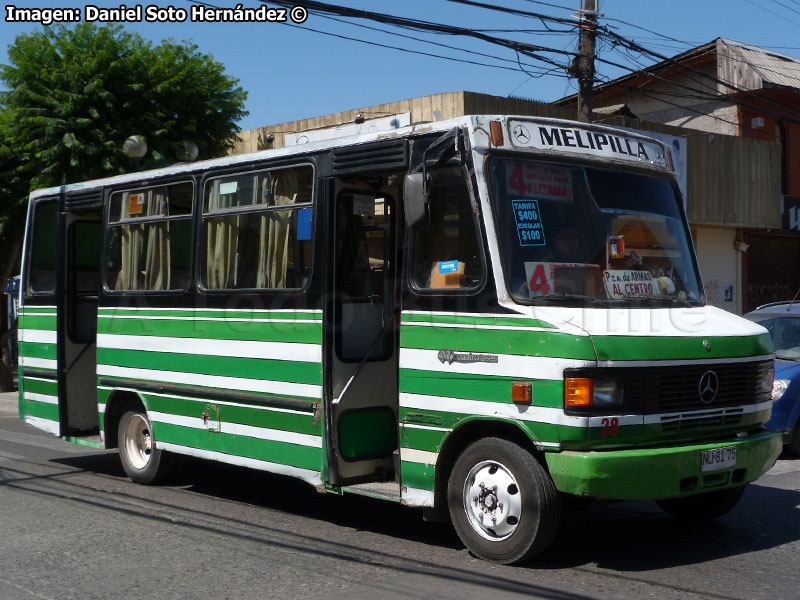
626, 537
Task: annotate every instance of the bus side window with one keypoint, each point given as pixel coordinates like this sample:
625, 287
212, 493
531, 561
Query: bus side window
447, 247
257, 230
150, 233
42, 269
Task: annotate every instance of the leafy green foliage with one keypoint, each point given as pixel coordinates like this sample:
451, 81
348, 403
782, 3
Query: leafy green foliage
75, 94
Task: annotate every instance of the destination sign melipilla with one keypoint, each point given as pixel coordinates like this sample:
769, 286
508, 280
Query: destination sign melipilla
593, 142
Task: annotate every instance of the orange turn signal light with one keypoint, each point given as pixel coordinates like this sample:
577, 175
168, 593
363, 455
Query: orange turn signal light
521, 392
496, 129
578, 391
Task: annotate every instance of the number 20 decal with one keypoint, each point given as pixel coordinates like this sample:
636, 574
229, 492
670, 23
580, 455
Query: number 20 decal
610, 427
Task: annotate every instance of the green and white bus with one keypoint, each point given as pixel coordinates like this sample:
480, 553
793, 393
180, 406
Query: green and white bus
475, 316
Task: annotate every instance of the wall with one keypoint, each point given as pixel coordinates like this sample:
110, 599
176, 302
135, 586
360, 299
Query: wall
716, 257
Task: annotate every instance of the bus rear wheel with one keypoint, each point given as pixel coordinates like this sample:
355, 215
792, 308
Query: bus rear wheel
503, 504
702, 507
142, 460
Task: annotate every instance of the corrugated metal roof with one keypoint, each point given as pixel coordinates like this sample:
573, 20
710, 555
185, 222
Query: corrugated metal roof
773, 68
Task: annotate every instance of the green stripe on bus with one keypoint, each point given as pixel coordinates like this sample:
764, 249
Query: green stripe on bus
474, 320
303, 333
107, 313
47, 323
40, 386
38, 350
43, 410
478, 387
525, 343
298, 423
303, 457
221, 366
543, 432
618, 348
421, 439
417, 475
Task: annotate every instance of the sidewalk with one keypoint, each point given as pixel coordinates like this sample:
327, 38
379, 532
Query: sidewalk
9, 402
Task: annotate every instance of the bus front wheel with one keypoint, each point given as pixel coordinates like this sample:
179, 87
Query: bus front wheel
503, 504
141, 459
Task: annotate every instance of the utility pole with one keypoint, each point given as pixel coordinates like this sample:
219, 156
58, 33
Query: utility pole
583, 66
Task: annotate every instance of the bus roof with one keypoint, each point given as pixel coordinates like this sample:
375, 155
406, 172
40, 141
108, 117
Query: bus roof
557, 130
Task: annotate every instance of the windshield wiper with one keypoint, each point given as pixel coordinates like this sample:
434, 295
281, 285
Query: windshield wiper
657, 300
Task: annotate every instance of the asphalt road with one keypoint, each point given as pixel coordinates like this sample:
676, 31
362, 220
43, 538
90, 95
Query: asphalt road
73, 526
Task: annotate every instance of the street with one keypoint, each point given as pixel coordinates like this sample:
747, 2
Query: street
73, 526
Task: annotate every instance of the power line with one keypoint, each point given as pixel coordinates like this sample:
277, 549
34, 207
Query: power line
424, 41
779, 3
530, 50
639, 48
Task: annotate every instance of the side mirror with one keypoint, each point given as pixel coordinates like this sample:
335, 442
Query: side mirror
415, 198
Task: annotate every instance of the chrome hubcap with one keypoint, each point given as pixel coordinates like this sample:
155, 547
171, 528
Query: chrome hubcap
492, 500
138, 441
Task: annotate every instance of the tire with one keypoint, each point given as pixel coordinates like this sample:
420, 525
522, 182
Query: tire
142, 460
496, 478
793, 447
702, 507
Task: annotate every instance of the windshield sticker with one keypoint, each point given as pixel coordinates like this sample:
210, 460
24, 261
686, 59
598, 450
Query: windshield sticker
448, 266
303, 224
542, 181
136, 204
529, 222
616, 246
547, 278
631, 284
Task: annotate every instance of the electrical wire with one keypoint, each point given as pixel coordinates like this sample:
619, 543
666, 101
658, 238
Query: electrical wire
424, 41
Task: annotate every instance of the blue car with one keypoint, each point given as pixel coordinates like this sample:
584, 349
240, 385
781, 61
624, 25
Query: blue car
782, 320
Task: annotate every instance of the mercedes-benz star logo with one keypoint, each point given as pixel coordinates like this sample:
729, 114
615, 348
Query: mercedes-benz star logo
521, 134
708, 387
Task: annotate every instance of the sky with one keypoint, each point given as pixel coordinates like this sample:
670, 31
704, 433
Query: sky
291, 72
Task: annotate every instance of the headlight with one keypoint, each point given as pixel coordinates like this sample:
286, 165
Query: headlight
779, 387
607, 392
586, 391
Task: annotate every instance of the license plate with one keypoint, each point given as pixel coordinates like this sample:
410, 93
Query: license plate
718, 459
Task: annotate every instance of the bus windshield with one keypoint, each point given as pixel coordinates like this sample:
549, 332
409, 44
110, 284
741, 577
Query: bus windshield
570, 232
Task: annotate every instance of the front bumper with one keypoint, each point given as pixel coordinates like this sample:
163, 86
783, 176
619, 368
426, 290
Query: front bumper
656, 473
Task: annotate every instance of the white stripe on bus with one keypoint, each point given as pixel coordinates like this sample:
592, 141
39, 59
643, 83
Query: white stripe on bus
214, 381
40, 336
538, 414
213, 347
312, 477
507, 365
42, 363
224, 310
425, 427
44, 424
46, 398
416, 497
201, 319
471, 326
262, 433
418, 456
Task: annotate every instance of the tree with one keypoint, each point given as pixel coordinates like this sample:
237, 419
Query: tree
76, 93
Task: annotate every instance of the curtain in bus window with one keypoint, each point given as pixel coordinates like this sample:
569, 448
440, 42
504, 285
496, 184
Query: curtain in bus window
274, 232
222, 241
131, 242
157, 262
